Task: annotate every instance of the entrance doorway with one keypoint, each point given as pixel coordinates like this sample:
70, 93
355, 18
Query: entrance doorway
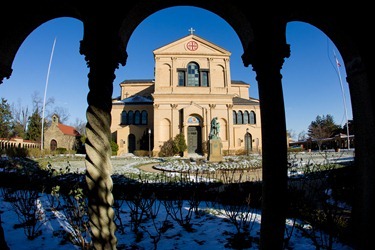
53, 145
248, 143
194, 138
131, 143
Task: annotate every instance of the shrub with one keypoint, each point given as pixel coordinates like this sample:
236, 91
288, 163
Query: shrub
60, 150
180, 143
37, 153
296, 149
114, 147
169, 148
16, 152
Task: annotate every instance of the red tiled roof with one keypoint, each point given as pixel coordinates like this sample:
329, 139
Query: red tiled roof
68, 130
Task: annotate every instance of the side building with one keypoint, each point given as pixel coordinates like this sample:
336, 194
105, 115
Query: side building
59, 135
192, 85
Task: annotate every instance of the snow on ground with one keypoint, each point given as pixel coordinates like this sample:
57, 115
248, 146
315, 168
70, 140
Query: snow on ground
211, 225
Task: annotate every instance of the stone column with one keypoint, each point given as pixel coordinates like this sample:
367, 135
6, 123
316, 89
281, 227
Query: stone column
266, 54
363, 116
102, 49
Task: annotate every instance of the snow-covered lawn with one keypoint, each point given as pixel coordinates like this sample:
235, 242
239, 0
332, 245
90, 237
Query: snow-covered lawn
173, 225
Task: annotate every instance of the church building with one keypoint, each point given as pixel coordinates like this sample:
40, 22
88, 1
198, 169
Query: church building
59, 135
192, 86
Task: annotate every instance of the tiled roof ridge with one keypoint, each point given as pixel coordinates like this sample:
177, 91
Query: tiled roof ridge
68, 130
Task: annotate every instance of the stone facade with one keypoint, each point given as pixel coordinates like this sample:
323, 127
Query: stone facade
192, 85
60, 136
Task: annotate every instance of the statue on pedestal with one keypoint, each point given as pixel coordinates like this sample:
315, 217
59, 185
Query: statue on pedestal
215, 129
215, 144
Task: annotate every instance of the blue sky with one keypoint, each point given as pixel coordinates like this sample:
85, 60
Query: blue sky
311, 83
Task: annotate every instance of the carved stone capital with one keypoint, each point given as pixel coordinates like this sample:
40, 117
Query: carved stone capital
100, 46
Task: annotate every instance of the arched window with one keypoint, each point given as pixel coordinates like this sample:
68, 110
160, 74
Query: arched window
239, 117
193, 74
234, 117
246, 117
123, 118
144, 117
130, 117
252, 119
137, 117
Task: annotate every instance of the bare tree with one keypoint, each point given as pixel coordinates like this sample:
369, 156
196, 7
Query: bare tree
302, 136
37, 102
290, 133
80, 126
61, 112
20, 118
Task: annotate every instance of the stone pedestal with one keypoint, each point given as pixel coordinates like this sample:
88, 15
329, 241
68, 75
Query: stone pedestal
214, 152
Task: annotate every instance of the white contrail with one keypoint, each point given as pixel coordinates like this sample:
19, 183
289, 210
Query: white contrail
45, 93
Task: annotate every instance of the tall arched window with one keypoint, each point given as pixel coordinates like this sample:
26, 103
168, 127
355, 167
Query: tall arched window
144, 117
234, 117
193, 74
252, 119
239, 117
123, 118
137, 117
246, 117
130, 117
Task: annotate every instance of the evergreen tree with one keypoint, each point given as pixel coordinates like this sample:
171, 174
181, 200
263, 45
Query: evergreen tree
19, 130
180, 143
114, 147
323, 127
5, 119
34, 128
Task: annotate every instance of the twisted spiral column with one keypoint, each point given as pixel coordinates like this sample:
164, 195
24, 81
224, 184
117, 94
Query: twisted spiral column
103, 57
98, 164
98, 178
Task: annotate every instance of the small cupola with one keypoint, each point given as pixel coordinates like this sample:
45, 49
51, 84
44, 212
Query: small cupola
55, 119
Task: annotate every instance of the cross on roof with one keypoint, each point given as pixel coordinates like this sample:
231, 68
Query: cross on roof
191, 31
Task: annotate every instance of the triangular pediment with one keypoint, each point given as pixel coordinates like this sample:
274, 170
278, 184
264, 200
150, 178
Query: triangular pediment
194, 108
195, 105
191, 45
